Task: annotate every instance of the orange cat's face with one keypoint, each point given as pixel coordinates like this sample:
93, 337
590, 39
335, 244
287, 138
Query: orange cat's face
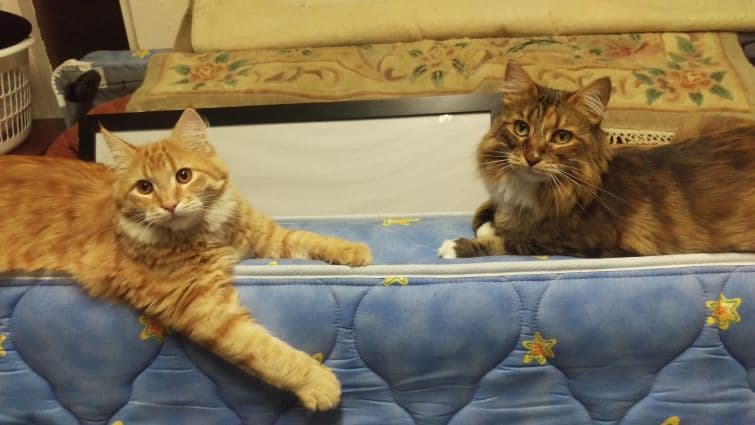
177, 183
544, 137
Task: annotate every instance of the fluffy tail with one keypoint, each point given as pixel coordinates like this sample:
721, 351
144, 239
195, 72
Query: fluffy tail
711, 124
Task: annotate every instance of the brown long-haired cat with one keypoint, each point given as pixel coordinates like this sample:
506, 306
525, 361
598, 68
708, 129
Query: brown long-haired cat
557, 188
161, 232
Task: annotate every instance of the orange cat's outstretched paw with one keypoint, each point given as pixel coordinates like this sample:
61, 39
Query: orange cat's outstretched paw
354, 255
321, 391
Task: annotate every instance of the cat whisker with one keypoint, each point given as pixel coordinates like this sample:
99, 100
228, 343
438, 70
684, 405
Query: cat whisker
593, 186
497, 161
580, 183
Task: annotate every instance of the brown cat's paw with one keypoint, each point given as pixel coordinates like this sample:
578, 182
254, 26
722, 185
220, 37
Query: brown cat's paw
486, 230
321, 391
458, 248
354, 255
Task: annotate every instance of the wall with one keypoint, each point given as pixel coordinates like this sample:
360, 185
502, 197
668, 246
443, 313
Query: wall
43, 101
152, 24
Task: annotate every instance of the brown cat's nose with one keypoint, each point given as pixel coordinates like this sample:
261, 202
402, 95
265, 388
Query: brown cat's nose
170, 207
532, 159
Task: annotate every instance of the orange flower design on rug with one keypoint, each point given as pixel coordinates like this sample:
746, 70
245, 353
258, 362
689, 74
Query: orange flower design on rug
723, 312
539, 349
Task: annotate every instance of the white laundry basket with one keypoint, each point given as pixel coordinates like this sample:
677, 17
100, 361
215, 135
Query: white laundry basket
15, 95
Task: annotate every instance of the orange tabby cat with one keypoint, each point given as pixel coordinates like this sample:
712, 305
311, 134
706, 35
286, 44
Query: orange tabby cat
161, 232
557, 188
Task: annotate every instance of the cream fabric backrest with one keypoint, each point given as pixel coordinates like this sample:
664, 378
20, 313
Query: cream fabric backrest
249, 24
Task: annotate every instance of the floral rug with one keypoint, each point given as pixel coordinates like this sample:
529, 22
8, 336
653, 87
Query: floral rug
658, 78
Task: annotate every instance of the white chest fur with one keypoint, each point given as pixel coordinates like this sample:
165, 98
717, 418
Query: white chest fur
515, 191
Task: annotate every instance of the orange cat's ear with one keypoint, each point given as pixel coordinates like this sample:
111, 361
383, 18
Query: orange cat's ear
517, 84
593, 99
191, 130
121, 151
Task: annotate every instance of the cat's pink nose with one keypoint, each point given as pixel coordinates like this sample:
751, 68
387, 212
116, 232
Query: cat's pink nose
170, 207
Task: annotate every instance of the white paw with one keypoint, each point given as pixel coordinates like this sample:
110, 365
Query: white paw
485, 231
447, 249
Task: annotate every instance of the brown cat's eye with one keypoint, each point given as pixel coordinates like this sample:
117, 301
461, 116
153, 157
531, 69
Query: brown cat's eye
562, 136
144, 187
521, 128
183, 175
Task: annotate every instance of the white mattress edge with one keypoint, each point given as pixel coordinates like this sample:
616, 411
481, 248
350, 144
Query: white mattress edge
497, 268
458, 270
377, 217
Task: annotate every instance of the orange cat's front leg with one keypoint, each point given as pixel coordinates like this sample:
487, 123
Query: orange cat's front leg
308, 245
267, 239
206, 309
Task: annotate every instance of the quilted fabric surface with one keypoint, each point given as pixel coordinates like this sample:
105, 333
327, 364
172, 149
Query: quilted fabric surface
413, 340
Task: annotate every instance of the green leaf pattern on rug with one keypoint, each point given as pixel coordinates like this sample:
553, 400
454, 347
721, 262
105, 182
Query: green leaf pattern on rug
643, 78
652, 95
437, 77
720, 90
532, 42
418, 71
696, 97
685, 45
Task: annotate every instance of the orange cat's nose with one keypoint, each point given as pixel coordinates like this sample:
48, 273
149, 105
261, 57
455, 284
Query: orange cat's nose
171, 208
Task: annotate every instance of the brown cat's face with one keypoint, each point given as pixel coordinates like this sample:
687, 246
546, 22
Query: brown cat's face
177, 183
544, 137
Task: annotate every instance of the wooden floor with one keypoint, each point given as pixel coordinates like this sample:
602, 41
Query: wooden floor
43, 133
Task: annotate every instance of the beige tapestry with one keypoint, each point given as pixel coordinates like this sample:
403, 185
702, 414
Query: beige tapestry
255, 24
657, 78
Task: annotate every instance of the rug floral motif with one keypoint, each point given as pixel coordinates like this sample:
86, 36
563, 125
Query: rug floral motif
672, 72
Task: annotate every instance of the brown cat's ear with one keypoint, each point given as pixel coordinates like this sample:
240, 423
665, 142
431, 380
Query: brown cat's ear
121, 151
517, 84
191, 130
593, 99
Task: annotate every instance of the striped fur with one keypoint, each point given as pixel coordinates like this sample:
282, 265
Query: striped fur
582, 198
122, 245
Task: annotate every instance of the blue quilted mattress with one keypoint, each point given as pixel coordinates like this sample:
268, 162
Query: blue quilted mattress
413, 339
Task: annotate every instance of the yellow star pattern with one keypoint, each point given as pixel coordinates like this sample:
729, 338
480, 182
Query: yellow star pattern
152, 329
723, 312
2, 340
399, 221
539, 349
674, 420
141, 53
401, 280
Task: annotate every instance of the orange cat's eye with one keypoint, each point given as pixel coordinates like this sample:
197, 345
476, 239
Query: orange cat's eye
521, 128
144, 187
183, 175
561, 136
